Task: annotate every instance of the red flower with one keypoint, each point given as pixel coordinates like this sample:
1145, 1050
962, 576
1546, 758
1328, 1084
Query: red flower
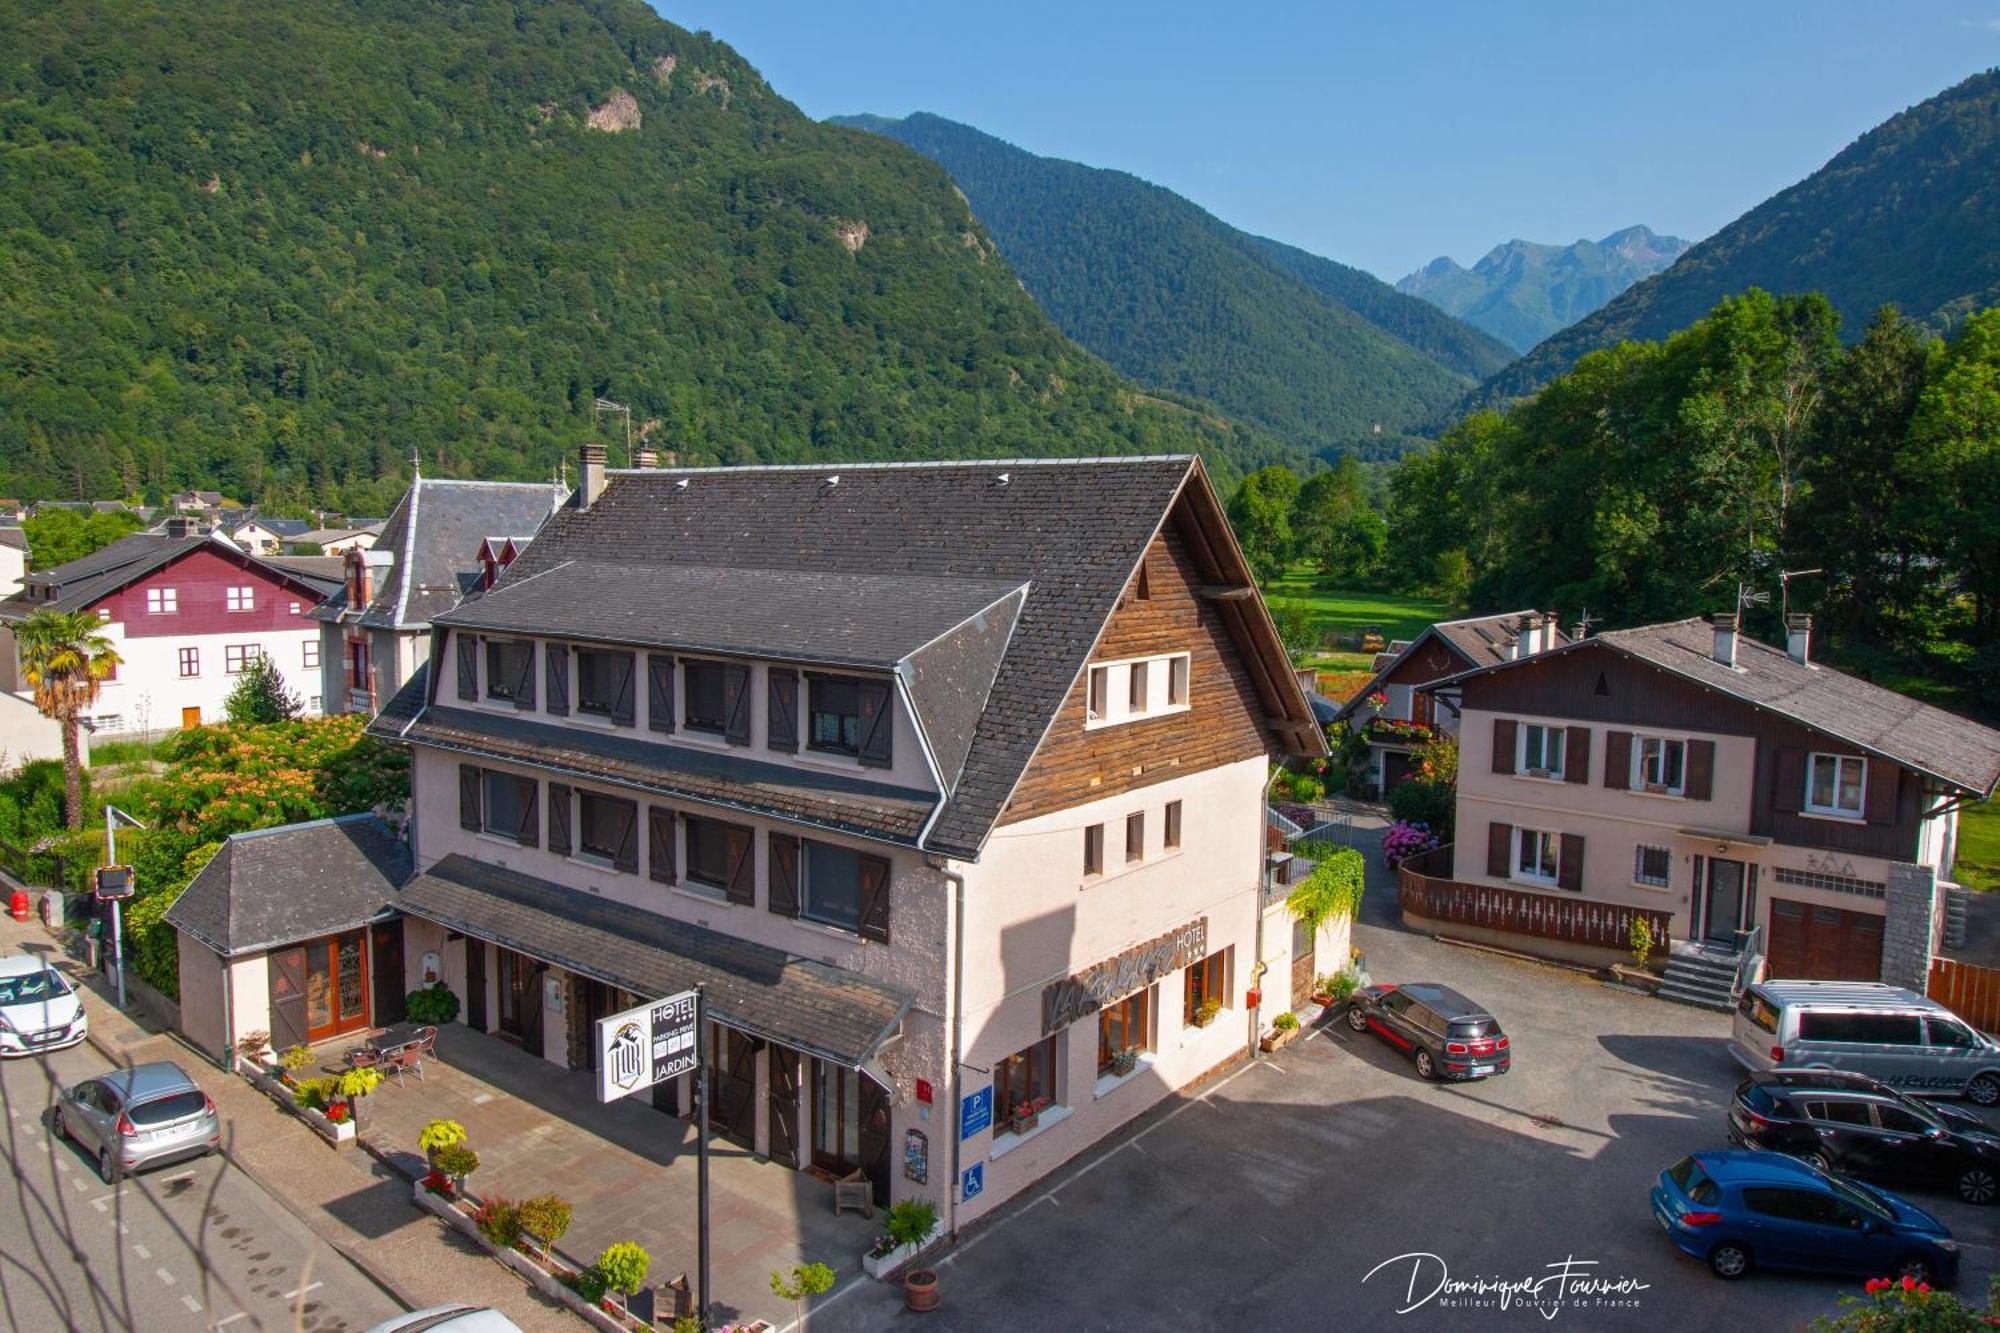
1909, 1283
1876, 1284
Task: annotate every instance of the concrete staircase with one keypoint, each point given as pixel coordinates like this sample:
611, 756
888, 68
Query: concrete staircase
1702, 978
1954, 916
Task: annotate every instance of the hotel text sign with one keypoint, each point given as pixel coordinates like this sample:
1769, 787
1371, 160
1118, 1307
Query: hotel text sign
1065, 1001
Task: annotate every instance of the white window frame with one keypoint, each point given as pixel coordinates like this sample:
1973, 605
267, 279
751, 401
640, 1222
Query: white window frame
1164, 677
1545, 841
243, 598
309, 655
1558, 736
1180, 673
1836, 810
163, 601
1639, 876
1097, 700
1644, 765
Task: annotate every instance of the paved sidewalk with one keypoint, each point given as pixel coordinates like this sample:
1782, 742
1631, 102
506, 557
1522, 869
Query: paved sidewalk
628, 1169
347, 1198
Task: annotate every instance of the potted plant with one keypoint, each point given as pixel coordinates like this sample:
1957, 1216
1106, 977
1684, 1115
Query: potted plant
624, 1265
351, 1085
1028, 1114
455, 1162
1125, 1061
920, 1291
799, 1286
433, 1006
1206, 1011
439, 1134
293, 1060
1283, 1028
910, 1226
255, 1048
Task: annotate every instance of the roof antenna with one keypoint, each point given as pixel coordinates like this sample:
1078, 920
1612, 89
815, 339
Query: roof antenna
1785, 577
1583, 624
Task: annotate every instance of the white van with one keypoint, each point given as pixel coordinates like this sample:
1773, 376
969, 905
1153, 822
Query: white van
1907, 1040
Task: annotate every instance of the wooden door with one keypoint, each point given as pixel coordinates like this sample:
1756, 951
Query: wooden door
288, 997
190, 717
836, 1118
1304, 939
735, 1058
475, 984
784, 1098
1810, 941
336, 985
386, 945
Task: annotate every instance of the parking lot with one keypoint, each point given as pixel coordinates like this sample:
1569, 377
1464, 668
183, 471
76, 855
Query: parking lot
1266, 1199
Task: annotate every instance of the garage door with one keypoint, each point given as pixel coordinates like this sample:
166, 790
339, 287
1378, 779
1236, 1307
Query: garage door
1818, 943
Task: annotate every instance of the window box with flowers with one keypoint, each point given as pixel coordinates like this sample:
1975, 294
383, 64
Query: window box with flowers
1028, 1114
1398, 731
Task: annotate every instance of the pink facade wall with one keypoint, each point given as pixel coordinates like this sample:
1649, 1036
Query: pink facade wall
201, 582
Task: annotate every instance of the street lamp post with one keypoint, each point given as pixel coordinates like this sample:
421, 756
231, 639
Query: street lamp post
112, 814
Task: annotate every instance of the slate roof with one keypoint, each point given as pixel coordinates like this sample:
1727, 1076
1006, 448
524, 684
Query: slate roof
296, 882
1952, 749
849, 619
83, 582
1482, 641
327, 571
13, 536
824, 1010
277, 527
735, 781
433, 538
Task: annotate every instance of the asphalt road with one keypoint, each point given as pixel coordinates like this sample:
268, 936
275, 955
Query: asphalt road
194, 1246
1266, 1200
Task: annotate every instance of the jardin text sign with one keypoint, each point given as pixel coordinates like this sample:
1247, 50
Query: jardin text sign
1065, 1001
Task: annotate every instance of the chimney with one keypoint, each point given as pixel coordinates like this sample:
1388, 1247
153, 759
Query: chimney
1526, 630
1724, 623
646, 458
1551, 626
1798, 637
590, 478
180, 527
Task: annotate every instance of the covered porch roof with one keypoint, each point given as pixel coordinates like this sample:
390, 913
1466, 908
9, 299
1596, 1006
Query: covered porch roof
829, 1012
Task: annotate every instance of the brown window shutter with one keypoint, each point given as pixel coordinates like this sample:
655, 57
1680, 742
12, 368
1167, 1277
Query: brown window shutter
531, 823
468, 664
874, 899
1504, 730
524, 683
1499, 849
781, 725
468, 796
1701, 771
659, 692
626, 859
878, 725
559, 813
1618, 759
660, 844
555, 663
1569, 863
1879, 791
784, 875
736, 704
1576, 754
1788, 780
624, 703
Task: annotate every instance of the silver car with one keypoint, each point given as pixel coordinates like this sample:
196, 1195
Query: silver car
138, 1117
1908, 1041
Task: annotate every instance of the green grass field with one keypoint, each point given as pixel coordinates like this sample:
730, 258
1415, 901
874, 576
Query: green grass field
1343, 613
1978, 864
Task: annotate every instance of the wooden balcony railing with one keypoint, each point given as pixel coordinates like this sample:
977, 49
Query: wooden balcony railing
1422, 891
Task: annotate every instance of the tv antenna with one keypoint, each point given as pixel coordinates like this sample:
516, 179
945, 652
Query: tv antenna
1785, 578
1749, 596
1583, 624
603, 405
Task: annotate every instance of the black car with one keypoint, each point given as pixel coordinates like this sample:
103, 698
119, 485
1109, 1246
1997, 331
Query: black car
1875, 1133
1445, 1034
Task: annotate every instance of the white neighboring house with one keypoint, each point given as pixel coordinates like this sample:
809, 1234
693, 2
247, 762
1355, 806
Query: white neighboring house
186, 614
338, 541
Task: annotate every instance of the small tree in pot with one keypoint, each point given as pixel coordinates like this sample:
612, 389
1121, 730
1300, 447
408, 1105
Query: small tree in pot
799, 1286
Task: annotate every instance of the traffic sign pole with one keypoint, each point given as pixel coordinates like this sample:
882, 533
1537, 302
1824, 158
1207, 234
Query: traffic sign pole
701, 1155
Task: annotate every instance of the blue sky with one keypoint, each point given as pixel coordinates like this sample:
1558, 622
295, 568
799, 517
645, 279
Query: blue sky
1385, 134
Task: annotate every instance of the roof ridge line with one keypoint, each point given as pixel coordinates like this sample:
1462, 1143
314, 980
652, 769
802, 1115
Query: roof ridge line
886, 466
248, 835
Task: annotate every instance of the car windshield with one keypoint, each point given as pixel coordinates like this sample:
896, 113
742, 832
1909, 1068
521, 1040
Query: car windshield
1472, 1027
177, 1106
1862, 1197
32, 988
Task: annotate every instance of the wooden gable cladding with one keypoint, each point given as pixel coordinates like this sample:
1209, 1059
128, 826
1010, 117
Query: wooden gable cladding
1222, 724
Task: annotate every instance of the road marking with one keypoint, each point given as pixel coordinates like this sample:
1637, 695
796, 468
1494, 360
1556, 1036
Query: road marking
98, 1204
62, 1166
193, 1305
164, 1276
81, 1185
240, 1314
141, 1251
294, 1295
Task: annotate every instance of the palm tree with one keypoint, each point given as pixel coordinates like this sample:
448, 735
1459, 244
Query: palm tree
66, 660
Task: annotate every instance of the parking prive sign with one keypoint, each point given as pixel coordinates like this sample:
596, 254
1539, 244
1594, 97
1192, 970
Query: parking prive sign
646, 1045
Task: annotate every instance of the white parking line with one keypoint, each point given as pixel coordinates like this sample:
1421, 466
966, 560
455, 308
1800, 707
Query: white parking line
98, 1204
240, 1314
141, 1251
294, 1295
164, 1276
193, 1305
62, 1165
81, 1185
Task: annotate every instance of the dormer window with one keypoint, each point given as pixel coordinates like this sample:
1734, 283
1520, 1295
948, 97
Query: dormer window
836, 716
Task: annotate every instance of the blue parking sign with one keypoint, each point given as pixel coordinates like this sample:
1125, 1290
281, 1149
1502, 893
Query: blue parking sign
975, 1112
972, 1182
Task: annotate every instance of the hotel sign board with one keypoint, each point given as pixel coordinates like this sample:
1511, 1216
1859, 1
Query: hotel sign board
646, 1045
1065, 1001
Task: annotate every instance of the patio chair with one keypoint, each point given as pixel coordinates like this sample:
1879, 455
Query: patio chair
411, 1054
853, 1191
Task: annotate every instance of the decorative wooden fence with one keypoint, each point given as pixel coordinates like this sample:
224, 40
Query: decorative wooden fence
1553, 916
1968, 990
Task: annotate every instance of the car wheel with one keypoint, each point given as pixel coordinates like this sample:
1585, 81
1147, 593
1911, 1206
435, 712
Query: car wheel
1426, 1067
1916, 1267
1977, 1184
1822, 1160
106, 1166
58, 1127
1729, 1260
1984, 1090
1357, 1020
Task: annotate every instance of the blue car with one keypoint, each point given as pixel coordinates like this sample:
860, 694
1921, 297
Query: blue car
1737, 1210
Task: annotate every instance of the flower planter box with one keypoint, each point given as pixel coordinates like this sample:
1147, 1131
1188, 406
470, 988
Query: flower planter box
879, 1269
529, 1268
1276, 1040
338, 1133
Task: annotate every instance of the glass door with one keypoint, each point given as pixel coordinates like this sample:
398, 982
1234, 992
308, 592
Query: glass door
836, 1117
1724, 912
336, 989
